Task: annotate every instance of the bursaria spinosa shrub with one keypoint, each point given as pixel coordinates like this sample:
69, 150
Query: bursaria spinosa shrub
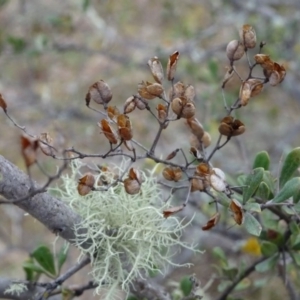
128, 235
128, 227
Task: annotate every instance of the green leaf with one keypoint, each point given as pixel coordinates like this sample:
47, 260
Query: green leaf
241, 179
262, 160
252, 206
242, 285
29, 265
213, 67
252, 225
290, 165
294, 227
186, 286
45, 259
267, 248
288, 190
252, 182
29, 271
224, 285
295, 241
269, 180
18, 44
219, 253
132, 298
230, 272
287, 209
263, 191
296, 257
85, 4
62, 256
297, 207
296, 196
267, 264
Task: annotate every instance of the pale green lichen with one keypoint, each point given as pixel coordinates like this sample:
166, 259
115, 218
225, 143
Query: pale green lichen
128, 234
16, 289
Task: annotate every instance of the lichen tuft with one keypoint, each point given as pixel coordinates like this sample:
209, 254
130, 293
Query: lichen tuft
127, 234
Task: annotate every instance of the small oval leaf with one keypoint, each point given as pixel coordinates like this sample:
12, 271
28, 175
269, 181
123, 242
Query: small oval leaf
267, 264
186, 286
262, 160
252, 182
290, 165
289, 189
252, 225
263, 191
252, 206
267, 248
45, 259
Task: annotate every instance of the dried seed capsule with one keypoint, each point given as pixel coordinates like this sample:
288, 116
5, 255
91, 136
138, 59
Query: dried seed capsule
189, 93
155, 89
188, 110
248, 36
235, 50
129, 105
172, 64
195, 127
100, 92
206, 139
156, 69
177, 106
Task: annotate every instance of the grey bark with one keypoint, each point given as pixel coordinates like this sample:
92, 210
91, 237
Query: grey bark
50, 211
26, 295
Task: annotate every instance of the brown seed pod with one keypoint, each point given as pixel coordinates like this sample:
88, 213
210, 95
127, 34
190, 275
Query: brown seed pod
156, 69
203, 169
112, 112
212, 222
195, 142
206, 139
135, 175
144, 93
100, 92
235, 50
129, 105
124, 126
45, 144
238, 212
245, 93
197, 185
29, 147
108, 131
172, 64
155, 89
228, 75
172, 173
189, 93
217, 183
196, 127
177, 90
86, 184
188, 110
177, 106
161, 112
173, 210
248, 36
230, 127
277, 75
256, 86
131, 186
3, 104
140, 104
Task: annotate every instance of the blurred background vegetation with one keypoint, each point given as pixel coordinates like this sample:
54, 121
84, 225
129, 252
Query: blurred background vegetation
52, 51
